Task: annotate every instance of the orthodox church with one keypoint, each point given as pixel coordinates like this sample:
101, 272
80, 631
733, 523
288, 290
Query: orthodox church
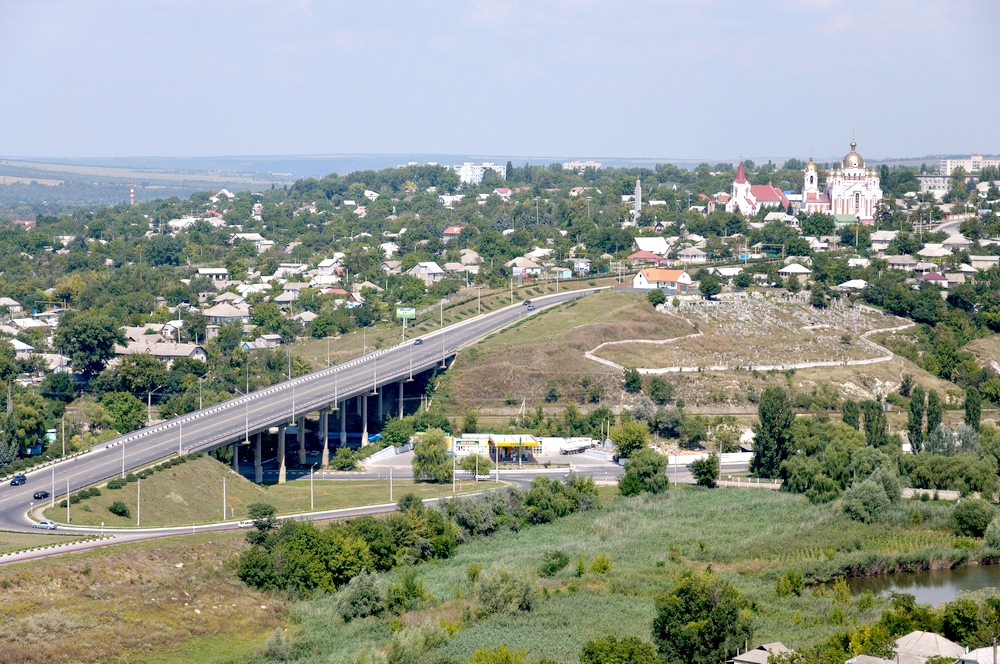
851, 189
750, 198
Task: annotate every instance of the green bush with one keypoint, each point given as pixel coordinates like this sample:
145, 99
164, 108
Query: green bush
866, 502
646, 470
601, 564
973, 516
610, 650
406, 593
501, 590
790, 583
119, 508
706, 471
361, 598
74, 499
116, 483
552, 562
131, 477
992, 534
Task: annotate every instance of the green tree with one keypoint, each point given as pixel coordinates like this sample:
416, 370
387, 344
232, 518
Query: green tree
852, 414
127, 411
973, 407
470, 423
633, 381
58, 387
629, 437
972, 517
610, 650
706, 471
476, 463
89, 340
772, 433
701, 620
709, 286
935, 411
141, 372
398, 432
430, 458
874, 423
915, 418
793, 284
645, 471
656, 297
743, 280
660, 390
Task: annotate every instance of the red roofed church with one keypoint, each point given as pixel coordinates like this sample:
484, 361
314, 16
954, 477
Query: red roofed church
751, 198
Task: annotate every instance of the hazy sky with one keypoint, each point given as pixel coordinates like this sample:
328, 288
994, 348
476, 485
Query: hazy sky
589, 78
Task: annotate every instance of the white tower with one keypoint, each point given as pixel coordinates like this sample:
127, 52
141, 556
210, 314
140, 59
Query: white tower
811, 181
637, 210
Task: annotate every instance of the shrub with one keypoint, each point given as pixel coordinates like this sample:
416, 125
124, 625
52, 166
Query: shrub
790, 583
502, 590
406, 593
343, 459
581, 565
116, 483
656, 297
131, 477
361, 598
646, 470
609, 650
992, 534
499, 655
601, 564
973, 516
706, 471
472, 571
552, 562
74, 499
120, 509
866, 502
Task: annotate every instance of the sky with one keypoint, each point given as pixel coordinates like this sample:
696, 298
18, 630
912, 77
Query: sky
675, 79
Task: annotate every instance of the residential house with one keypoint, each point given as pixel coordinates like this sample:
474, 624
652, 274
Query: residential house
925, 645
657, 245
933, 278
692, 255
234, 299
216, 274
306, 317
449, 200
469, 257
852, 285
285, 298
923, 267
954, 278
881, 239
816, 244
264, 341
956, 242
429, 272
760, 654
164, 351
224, 313
906, 263
354, 301
644, 258
451, 233
261, 243
13, 306
795, 269
390, 249
581, 265
978, 262
21, 349
524, 267
933, 250
726, 273
652, 278
539, 253
782, 217
392, 267
503, 192
861, 262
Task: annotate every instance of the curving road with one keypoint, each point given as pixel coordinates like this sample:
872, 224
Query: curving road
270, 406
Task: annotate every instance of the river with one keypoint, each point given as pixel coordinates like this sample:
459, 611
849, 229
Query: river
932, 586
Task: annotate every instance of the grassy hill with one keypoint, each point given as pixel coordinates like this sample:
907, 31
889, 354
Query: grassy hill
192, 493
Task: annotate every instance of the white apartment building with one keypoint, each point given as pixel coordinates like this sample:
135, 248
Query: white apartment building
974, 163
471, 173
581, 166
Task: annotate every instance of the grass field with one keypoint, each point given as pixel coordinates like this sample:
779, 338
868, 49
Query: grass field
169, 600
464, 305
521, 360
987, 351
15, 541
192, 493
747, 536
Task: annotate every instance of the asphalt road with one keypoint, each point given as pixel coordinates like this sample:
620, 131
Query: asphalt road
222, 423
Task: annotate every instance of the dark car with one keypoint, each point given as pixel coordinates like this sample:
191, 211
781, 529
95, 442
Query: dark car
526, 303
418, 342
18, 480
41, 495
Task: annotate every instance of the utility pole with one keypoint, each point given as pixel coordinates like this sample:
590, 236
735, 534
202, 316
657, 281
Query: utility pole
64, 433
138, 504
223, 497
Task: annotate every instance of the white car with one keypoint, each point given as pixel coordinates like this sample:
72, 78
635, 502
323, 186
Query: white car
483, 478
46, 524
247, 523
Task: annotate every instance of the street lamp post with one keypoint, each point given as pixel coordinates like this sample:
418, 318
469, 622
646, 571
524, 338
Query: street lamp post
138, 504
53, 501
312, 495
223, 497
68, 501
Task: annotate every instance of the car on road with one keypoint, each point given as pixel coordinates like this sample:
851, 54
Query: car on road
247, 523
526, 303
482, 478
531, 307
418, 342
45, 525
41, 495
18, 480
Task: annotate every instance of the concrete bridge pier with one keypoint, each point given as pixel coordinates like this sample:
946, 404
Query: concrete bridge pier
258, 472
364, 420
343, 423
400, 399
380, 411
324, 435
361, 398
236, 458
301, 434
282, 471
